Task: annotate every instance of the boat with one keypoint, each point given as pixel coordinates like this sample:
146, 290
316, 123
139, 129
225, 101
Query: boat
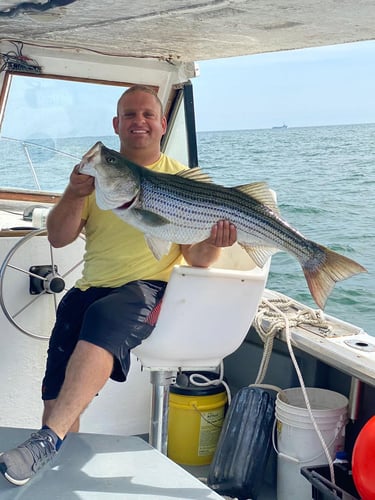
280, 127
50, 51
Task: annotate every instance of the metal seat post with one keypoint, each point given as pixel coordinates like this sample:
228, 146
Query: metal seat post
161, 381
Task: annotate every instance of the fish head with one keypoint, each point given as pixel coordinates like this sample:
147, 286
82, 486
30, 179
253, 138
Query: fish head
117, 180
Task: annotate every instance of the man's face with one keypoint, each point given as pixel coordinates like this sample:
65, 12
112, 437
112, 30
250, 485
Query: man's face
139, 123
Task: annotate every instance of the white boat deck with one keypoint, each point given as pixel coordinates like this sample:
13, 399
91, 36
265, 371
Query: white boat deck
12, 213
94, 467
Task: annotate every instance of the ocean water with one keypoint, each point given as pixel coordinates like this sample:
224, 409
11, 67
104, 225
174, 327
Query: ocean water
324, 178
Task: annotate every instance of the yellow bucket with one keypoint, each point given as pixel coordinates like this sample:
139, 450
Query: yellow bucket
195, 420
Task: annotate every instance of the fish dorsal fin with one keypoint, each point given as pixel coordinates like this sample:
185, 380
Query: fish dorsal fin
195, 174
262, 193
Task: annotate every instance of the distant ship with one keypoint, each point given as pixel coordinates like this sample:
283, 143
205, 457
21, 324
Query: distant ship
281, 126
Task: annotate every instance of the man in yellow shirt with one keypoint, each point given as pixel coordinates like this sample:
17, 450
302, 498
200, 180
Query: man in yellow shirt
112, 307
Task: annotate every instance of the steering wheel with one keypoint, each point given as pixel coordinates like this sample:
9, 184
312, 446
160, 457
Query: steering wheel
29, 293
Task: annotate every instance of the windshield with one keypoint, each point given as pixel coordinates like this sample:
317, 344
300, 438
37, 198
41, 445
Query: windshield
47, 125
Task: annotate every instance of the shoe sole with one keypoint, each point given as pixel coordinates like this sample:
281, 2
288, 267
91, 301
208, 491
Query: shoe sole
16, 482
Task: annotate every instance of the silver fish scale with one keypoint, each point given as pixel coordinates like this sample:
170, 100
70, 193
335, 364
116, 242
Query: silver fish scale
193, 207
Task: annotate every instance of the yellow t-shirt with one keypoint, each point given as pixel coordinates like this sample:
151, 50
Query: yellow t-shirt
117, 253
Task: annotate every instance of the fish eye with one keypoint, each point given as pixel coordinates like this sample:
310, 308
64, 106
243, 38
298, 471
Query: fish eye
110, 159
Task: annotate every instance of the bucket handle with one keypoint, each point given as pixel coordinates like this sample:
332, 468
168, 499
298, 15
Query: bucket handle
340, 425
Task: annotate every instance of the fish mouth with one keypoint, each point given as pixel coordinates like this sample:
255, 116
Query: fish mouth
90, 157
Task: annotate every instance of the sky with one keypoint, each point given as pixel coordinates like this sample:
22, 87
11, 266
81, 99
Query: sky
310, 87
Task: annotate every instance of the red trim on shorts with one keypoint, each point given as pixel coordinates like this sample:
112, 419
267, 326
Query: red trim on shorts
154, 314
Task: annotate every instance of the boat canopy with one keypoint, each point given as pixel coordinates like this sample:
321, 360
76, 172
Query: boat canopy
150, 42
186, 30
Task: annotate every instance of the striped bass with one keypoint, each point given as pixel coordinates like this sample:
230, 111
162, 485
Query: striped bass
182, 208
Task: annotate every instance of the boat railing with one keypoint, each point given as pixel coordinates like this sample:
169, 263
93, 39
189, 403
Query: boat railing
12, 173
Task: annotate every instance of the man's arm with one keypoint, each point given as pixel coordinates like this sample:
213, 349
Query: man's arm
64, 222
205, 253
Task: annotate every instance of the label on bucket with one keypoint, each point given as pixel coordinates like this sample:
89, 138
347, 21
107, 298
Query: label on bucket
210, 428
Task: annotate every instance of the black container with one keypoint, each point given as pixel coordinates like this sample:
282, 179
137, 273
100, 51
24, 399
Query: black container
322, 487
239, 462
185, 387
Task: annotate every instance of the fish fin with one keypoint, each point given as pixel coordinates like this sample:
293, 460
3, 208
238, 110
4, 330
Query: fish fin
262, 193
333, 268
150, 218
157, 246
195, 174
259, 254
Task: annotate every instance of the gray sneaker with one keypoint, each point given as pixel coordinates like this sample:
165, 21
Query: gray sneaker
20, 464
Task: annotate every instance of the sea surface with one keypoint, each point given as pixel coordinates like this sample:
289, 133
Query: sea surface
324, 178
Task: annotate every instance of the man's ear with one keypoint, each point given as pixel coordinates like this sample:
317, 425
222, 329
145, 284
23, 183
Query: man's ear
115, 124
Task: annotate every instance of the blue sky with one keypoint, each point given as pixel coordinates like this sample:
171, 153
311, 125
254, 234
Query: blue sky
319, 86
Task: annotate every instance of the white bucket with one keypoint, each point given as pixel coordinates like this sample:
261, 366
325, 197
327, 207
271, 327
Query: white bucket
298, 444
39, 217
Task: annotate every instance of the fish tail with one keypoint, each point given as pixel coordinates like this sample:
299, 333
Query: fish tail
323, 272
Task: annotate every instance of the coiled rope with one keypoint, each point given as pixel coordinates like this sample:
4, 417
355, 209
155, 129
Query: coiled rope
275, 312
270, 320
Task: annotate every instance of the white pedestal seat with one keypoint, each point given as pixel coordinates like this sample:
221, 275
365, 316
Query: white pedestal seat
205, 316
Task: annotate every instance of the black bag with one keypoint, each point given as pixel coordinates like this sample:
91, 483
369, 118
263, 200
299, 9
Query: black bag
244, 445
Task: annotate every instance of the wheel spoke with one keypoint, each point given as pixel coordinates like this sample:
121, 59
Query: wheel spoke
51, 255
28, 304
29, 273
15, 317
73, 268
55, 302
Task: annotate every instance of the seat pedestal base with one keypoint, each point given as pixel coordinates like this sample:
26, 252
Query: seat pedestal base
161, 381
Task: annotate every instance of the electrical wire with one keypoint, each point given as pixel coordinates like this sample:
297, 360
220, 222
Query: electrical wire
14, 60
81, 48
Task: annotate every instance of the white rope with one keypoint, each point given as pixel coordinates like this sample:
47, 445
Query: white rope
201, 380
269, 321
271, 316
276, 314
278, 319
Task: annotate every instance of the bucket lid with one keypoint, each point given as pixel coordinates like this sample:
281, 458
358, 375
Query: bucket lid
186, 387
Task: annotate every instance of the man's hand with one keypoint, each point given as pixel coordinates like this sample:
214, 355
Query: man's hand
65, 221
205, 253
223, 234
80, 185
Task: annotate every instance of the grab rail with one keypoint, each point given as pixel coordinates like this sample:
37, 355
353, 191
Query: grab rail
25, 145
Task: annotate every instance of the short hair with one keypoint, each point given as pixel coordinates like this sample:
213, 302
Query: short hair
142, 88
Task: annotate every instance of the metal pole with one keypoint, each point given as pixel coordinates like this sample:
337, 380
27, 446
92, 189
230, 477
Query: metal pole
160, 380
355, 398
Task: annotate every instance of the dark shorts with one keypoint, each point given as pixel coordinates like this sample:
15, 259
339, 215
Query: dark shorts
116, 319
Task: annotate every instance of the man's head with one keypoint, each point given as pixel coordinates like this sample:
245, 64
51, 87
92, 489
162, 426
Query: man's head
140, 124
141, 88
